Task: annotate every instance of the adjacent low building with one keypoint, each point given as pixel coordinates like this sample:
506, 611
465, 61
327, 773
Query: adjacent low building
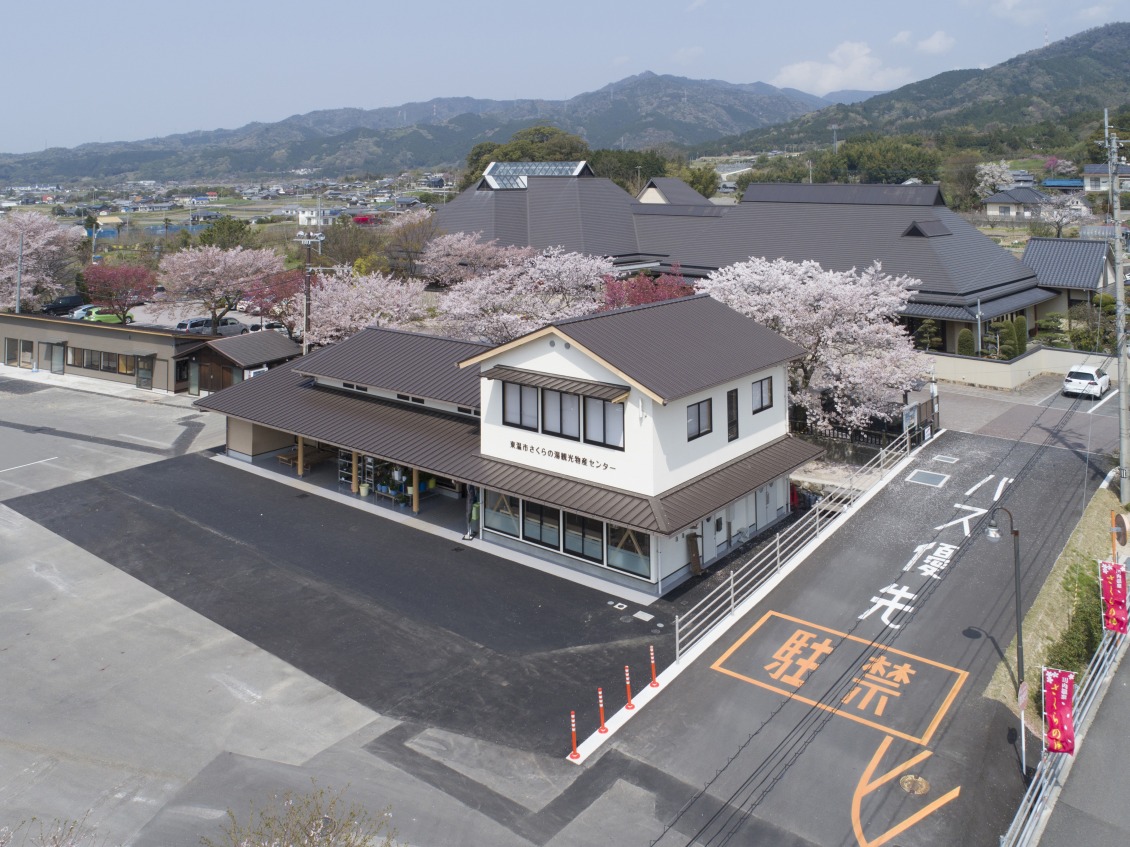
634, 445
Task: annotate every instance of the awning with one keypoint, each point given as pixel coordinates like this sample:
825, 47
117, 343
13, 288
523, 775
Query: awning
585, 387
1012, 303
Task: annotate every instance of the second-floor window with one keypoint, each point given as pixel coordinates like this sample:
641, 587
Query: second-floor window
763, 394
604, 423
698, 419
520, 405
561, 414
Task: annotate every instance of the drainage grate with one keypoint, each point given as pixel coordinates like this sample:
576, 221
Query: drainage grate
949, 460
934, 480
912, 784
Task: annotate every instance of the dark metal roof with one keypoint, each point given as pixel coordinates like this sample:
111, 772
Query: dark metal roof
927, 228
855, 195
404, 362
1068, 262
586, 387
1014, 302
1021, 194
448, 446
679, 347
676, 191
255, 348
938, 312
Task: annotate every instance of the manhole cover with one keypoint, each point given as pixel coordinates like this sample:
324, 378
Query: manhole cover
912, 784
934, 480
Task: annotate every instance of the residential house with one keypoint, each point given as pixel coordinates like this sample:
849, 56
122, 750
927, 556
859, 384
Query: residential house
1019, 203
1076, 268
633, 446
1096, 178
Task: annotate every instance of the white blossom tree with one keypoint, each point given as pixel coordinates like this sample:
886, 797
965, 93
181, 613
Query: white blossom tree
342, 303
1060, 210
459, 256
49, 257
856, 354
525, 295
992, 177
215, 279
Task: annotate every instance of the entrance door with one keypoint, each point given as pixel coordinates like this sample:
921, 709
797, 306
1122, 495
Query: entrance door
56, 355
194, 378
145, 371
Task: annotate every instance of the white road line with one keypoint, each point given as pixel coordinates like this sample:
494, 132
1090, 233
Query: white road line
978, 485
1000, 488
1108, 397
29, 464
1049, 398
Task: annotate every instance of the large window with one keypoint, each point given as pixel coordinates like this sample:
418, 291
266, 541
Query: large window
520, 405
584, 537
12, 352
604, 423
763, 394
561, 414
501, 513
541, 524
629, 550
698, 419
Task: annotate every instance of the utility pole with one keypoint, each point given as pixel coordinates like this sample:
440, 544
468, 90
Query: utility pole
1120, 318
309, 239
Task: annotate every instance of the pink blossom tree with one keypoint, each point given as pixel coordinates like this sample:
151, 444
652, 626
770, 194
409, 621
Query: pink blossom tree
119, 287
215, 279
450, 259
856, 354
642, 288
343, 303
279, 297
49, 258
522, 296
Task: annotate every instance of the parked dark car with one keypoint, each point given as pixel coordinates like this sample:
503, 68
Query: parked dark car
63, 305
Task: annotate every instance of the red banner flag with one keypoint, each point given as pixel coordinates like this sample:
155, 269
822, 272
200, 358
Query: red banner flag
1112, 579
1059, 698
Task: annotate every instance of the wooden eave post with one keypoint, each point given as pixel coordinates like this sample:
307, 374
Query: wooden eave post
353, 487
301, 455
415, 491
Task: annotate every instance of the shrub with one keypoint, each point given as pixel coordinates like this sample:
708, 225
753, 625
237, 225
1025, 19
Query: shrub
1020, 330
1075, 647
965, 343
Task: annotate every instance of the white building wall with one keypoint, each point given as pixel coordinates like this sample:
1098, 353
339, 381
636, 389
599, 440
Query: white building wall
657, 455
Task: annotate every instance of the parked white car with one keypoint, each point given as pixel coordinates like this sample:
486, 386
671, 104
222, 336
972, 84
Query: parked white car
1086, 381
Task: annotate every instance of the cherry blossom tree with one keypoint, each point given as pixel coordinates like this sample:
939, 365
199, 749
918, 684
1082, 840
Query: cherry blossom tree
642, 288
856, 355
523, 296
1060, 210
344, 302
215, 279
406, 236
450, 259
992, 177
49, 254
119, 287
279, 297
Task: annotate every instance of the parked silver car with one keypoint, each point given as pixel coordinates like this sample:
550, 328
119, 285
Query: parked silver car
203, 326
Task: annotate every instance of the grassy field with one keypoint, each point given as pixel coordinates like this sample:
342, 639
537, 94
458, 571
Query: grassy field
1048, 617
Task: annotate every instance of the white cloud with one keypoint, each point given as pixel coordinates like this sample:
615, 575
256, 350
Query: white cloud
936, 44
1095, 13
695, 4
686, 55
902, 37
620, 60
851, 65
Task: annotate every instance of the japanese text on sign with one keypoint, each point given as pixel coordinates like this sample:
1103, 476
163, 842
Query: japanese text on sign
561, 456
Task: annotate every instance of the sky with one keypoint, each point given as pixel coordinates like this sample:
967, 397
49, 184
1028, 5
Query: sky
127, 70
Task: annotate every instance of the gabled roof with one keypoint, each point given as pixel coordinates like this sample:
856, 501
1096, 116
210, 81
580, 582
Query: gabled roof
1068, 262
402, 362
1104, 170
676, 191
1021, 194
672, 349
255, 348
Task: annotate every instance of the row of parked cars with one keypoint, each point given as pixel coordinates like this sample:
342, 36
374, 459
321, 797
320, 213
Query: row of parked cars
71, 306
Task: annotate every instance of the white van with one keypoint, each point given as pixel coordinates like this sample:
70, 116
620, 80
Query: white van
203, 326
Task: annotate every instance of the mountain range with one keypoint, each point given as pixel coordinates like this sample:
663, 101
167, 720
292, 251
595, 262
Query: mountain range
1080, 74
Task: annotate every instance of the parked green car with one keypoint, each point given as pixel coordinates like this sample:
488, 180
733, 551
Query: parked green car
102, 315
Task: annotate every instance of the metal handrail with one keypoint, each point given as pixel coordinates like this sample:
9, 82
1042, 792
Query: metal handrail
1030, 813
746, 579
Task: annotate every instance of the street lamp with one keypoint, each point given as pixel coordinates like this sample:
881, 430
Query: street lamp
993, 533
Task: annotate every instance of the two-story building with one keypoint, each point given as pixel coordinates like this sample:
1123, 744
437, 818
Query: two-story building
633, 445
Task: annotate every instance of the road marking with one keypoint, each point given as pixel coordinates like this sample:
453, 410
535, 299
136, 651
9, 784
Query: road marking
804, 649
978, 485
867, 785
965, 520
1000, 488
28, 465
1105, 399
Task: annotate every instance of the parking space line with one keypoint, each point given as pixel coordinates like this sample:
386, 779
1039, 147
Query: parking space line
28, 465
1105, 399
